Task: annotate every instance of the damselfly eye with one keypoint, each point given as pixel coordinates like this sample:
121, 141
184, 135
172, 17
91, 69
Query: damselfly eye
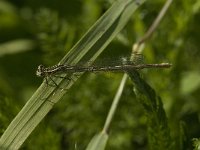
40, 71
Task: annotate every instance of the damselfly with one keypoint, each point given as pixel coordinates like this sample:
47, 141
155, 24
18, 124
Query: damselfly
74, 69
58, 69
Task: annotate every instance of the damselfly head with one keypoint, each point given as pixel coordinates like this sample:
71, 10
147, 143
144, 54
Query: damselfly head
40, 71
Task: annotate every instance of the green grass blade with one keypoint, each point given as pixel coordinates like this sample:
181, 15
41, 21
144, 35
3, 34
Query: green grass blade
88, 48
98, 142
158, 130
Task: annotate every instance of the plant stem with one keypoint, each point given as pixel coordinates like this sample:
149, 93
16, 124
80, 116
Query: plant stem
114, 104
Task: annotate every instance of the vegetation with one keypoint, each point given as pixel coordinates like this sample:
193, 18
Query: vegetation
158, 109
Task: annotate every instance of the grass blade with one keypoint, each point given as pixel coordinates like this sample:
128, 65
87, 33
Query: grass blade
98, 142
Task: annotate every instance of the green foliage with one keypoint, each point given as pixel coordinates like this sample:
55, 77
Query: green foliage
35, 32
5, 115
196, 143
158, 130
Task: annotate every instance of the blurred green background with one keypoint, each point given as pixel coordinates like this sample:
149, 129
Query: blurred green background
34, 32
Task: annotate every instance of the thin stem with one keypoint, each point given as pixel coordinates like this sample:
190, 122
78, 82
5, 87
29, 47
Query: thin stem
148, 34
114, 104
